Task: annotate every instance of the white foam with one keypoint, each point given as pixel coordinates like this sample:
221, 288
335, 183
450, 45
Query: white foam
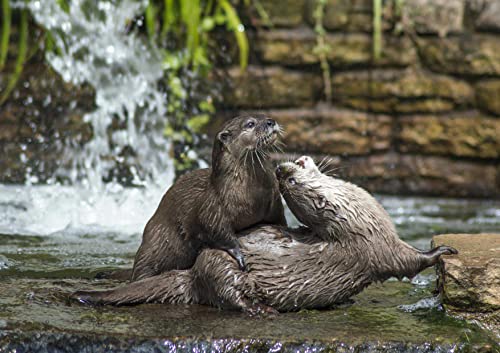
73, 210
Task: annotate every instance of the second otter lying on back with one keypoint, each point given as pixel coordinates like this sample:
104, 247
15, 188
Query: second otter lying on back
205, 208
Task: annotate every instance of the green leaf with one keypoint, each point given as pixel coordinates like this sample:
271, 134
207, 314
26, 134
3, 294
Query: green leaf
6, 22
169, 15
150, 17
238, 29
21, 57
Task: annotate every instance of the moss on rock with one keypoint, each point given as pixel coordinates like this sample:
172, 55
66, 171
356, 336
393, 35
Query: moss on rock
488, 96
462, 55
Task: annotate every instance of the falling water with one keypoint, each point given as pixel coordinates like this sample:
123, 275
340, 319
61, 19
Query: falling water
124, 72
123, 69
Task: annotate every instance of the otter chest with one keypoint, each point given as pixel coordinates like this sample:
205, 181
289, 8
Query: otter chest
251, 206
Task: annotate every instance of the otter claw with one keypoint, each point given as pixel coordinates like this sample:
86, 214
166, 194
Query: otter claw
85, 298
447, 250
261, 310
238, 256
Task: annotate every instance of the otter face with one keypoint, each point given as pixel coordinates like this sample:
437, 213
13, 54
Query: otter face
307, 163
248, 133
300, 186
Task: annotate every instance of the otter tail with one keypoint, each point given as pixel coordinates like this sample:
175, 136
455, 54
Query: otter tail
173, 287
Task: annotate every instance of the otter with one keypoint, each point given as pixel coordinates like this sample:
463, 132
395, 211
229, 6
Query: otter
205, 208
350, 243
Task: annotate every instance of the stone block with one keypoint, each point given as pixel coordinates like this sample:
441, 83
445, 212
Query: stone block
283, 13
488, 96
423, 175
400, 91
435, 16
344, 15
486, 14
471, 55
259, 87
333, 131
460, 134
470, 281
296, 47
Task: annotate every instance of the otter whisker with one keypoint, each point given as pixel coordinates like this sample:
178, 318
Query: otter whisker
258, 158
321, 164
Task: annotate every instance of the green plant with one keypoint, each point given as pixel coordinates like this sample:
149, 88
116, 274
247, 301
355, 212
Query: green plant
190, 23
377, 29
21, 56
4, 41
183, 29
322, 48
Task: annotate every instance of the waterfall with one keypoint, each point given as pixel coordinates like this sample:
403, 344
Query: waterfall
123, 68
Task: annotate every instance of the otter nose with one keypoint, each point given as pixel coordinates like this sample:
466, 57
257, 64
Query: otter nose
271, 123
279, 172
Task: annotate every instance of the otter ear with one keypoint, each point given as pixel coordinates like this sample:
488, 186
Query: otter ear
320, 202
224, 136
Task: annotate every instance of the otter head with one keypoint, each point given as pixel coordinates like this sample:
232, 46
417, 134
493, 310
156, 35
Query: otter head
243, 135
300, 185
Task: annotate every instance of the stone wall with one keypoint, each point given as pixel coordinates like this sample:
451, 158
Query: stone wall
422, 119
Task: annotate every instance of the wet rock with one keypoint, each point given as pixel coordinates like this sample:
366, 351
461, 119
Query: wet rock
423, 175
487, 96
470, 281
486, 14
458, 134
333, 131
296, 47
271, 87
462, 55
76, 342
435, 16
401, 91
283, 13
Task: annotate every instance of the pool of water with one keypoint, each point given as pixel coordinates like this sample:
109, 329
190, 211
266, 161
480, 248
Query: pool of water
53, 239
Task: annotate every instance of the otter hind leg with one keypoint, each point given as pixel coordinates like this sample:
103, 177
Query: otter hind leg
432, 256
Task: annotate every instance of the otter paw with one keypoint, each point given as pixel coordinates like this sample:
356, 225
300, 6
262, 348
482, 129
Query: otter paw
447, 250
261, 310
86, 298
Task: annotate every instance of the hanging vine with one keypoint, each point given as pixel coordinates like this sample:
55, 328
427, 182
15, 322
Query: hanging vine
322, 48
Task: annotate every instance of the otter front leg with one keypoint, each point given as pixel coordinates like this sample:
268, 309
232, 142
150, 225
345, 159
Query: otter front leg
226, 240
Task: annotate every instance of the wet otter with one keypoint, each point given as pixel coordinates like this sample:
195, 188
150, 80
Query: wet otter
351, 243
205, 208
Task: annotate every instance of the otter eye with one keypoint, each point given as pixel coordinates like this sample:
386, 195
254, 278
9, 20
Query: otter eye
224, 136
292, 181
250, 124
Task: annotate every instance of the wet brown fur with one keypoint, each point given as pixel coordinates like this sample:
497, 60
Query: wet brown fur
351, 242
205, 208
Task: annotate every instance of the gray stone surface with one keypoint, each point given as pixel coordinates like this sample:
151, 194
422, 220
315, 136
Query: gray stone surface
435, 16
470, 281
